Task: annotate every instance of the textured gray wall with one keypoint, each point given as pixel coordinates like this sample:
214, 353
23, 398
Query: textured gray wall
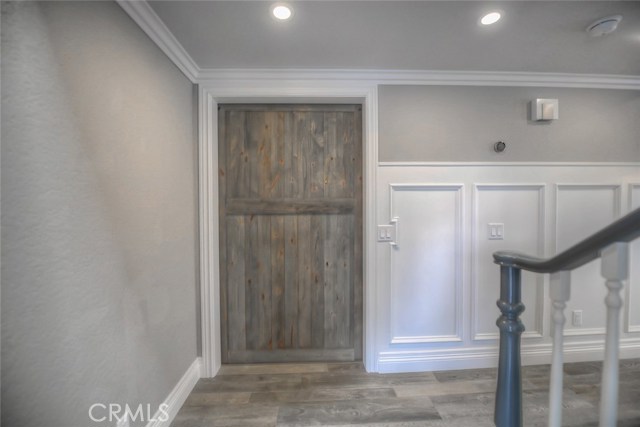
98, 214
461, 123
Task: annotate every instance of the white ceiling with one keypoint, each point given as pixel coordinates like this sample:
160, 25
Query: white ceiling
533, 36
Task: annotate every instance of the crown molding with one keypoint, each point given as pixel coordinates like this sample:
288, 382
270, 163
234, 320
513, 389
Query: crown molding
428, 77
152, 25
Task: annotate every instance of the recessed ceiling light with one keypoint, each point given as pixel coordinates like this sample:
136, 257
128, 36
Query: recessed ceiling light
490, 18
281, 11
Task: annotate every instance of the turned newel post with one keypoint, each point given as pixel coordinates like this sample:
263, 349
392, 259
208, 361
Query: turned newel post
508, 410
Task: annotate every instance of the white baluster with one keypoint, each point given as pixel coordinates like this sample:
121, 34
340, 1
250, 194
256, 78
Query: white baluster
615, 267
559, 292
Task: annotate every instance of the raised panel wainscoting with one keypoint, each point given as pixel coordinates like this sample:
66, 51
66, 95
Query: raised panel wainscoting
581, 210
632, 317
423, 274
436, 285
520, 207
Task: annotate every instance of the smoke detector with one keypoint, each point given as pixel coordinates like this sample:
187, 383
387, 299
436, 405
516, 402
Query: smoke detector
604, 26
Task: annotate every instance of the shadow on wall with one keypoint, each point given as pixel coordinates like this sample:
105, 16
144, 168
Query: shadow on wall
99, 226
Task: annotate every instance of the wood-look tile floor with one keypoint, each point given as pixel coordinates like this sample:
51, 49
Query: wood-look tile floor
343, 394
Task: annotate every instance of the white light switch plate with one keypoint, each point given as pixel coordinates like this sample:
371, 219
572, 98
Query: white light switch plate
495, 231
386, 233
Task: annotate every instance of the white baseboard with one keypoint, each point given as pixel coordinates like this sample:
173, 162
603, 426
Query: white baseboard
437, 360
178, 395
487, 357
123, 422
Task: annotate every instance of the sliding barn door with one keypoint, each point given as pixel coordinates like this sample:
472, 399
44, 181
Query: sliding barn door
290, 232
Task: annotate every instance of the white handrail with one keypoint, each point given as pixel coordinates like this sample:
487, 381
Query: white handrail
611, 245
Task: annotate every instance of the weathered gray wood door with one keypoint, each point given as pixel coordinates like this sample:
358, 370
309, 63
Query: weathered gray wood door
290, 232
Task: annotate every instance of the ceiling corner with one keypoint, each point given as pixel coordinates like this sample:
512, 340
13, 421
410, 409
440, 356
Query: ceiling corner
152, 25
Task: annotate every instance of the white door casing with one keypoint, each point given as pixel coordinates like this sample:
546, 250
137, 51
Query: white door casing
276, 91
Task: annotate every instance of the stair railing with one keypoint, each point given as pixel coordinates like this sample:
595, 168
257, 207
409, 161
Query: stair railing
611, 245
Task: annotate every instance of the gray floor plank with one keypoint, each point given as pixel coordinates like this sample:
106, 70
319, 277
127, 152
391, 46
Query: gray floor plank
343, 395
250, 383
322, 394
360, 412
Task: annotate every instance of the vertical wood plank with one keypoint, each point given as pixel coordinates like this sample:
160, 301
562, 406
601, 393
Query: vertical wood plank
334, 171
252, 286
254, 315
232, 182
339, 237
278, 327
344, 277
315, 155
330, 282
345, 132
304, 281
330, 276
264, 281
254, 123
312, 145
291, 281
265, 180
290, 156
262, 127
330, 152
277, 138
293, 141
276, 191
235, 155
317, 280
236, 282
300, 149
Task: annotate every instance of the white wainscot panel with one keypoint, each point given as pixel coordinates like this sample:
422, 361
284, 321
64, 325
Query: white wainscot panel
520, 207
426, 264
581, 210
632, 303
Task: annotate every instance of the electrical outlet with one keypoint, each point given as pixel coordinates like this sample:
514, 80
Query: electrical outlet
576, 317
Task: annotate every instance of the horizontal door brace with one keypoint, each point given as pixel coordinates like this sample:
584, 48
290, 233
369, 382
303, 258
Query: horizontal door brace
316, 206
